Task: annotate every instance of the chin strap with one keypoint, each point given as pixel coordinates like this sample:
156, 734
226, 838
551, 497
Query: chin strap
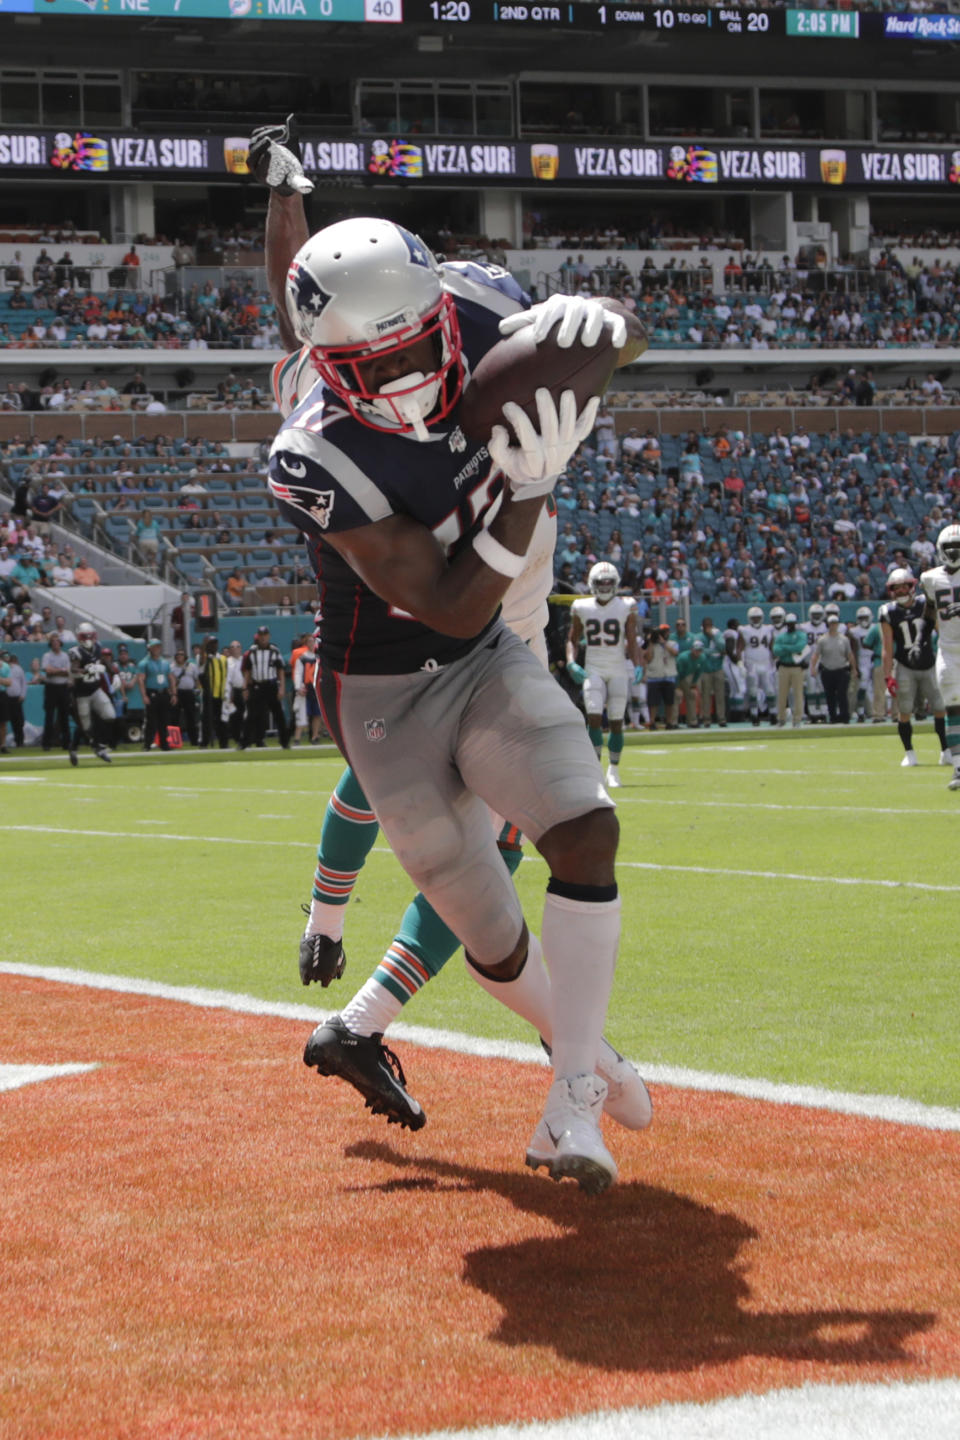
411, 408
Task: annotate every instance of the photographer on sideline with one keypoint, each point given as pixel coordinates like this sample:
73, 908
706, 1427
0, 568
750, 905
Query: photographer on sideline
660, 668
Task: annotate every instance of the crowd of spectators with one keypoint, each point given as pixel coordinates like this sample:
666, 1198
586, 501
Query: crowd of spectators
724, 516
758, 306
60, 311
762, 308
715, 515
189, 508
28, 561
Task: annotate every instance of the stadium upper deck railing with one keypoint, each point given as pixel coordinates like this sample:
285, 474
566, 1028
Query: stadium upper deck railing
669, 418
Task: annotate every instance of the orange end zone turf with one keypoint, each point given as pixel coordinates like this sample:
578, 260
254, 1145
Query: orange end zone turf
203, 1239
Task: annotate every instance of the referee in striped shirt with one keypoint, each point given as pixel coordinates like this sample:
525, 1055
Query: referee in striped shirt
263, 673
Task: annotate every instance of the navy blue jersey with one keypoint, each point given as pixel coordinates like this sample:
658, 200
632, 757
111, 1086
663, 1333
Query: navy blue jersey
912, 636
89, 670
329, 472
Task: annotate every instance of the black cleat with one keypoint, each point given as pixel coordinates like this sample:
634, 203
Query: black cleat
321, 959
366, 1064
103, 755
73, 757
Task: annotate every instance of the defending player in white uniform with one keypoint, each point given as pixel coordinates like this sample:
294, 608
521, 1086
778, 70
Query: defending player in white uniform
941, 589
605, 623
755, 651
862, 692
812, 685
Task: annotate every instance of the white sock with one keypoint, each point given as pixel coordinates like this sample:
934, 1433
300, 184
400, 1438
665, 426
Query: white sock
371, 1010
580, 946
528, 995
326, 920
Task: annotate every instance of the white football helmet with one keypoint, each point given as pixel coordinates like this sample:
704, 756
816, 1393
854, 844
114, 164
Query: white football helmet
360, 289
816, 613
832, 609
603, 581
865, 615
778, 617
901, 585
86, 634
948, 547
755, 615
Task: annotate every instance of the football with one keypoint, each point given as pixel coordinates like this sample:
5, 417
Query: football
515, 368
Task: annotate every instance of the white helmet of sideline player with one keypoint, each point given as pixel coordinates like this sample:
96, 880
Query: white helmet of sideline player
831, 609
865, 615
778, 617
603, 581
901, 585
755, 615
816, 613
948, 547
364, 288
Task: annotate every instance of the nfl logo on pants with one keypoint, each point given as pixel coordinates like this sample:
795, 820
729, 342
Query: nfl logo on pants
375, 729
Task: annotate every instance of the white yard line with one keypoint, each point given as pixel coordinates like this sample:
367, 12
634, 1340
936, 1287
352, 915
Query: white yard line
13, 1076
848, 880
810, 1412
666, 801
874, 1107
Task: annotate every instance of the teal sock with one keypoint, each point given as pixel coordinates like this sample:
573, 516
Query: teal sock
424, 944
615, 746
349, 831
953, 736
596, 738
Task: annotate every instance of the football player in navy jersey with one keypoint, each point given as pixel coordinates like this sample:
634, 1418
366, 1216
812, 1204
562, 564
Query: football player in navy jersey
909, 660
416, 535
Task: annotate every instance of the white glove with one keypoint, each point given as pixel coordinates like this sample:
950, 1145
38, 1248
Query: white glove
581, 319
534, 465
274, 158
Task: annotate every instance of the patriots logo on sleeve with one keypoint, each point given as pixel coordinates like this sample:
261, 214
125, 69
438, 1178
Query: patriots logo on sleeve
318, 504
322, 508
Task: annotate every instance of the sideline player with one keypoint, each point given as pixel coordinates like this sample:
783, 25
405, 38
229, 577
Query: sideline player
605, 624
91, 694
816, 700
941, 591
359, 470
868, 699
907, 626
755, 650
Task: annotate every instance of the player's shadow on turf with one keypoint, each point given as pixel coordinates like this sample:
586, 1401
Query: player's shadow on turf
643, 1279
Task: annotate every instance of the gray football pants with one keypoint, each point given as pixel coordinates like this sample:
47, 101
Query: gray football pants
433, 750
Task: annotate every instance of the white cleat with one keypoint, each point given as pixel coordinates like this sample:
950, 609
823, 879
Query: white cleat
955, 782
909, 759
567, 1141
628, 1099
613, 779
946, 757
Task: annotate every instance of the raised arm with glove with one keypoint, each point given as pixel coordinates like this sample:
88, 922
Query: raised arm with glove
274, 158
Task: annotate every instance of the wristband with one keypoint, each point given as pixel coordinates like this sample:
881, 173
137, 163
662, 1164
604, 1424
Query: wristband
497, 556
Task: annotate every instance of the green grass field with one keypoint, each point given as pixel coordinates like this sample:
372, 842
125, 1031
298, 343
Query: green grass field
753, 942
